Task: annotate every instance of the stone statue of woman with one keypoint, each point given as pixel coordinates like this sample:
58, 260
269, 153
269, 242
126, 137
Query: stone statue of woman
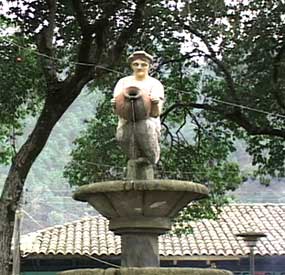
138, 101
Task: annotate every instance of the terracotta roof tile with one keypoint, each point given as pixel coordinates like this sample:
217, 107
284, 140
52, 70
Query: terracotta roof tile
91, 235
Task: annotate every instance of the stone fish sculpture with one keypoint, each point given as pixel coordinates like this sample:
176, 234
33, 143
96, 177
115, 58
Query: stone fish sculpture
138, 101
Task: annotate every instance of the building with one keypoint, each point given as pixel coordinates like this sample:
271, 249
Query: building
88, 243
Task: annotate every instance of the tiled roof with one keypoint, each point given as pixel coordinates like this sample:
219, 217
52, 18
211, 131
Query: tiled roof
90, 236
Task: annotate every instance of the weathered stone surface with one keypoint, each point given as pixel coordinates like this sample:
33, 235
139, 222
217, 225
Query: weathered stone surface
134, 200
147, 185
140, 224
140, 209
85, 272
154, 198
140, 170
147, 271
140, 205
139, 250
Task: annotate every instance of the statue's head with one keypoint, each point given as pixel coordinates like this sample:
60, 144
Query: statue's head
140, 62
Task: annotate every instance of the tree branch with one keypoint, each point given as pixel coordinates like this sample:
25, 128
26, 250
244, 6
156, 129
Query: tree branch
236, 117
177, 60
80, 16
213, 57
199, 127
45, 45
128, 32
252, 129
85, 47
179, 105
90, 52
168, 132
278, 76
178, 131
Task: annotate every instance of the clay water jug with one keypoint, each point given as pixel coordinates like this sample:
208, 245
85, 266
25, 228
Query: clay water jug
133, 104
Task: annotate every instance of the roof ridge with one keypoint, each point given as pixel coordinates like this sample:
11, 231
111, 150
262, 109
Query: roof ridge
63, 224
90, 235
256, 203
39, 231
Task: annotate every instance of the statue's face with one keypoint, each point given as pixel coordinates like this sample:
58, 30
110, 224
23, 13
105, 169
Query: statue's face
140, 67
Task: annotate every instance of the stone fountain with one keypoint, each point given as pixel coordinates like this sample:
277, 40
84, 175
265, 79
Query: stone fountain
140, 208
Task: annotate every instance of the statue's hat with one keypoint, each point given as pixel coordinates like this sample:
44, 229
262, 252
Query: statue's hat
140, 54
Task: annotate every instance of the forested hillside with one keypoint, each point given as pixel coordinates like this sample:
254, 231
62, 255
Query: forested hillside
47, 197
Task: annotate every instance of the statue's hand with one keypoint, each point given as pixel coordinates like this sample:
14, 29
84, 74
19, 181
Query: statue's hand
154, 99
113, 102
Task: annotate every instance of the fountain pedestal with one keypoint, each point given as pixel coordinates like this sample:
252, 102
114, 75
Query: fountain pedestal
140, 210
147, 271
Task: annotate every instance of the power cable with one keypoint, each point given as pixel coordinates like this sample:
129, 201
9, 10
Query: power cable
61, 60
102, 261
122, 167
121, 73
231, 104
31, 218
248, 108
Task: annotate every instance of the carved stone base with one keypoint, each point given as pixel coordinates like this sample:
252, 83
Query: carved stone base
147, 271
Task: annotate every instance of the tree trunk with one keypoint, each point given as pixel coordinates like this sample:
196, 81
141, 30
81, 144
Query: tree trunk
54, 108
6, 233
14, 183
16, 243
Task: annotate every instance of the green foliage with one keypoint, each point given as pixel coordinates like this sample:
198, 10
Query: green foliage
209, 54
202, 158
238, 58
21, 91
268, 155
96, 155
245, 56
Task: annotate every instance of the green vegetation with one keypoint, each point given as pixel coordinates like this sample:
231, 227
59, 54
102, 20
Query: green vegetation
239, 47
47, 196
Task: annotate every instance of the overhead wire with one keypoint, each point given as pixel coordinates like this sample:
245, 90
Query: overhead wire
61, 60
31, 218
102, 261
249, 108
122, 167
121, 73
106, 165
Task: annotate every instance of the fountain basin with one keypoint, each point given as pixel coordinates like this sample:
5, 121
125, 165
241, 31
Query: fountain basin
139, 211
140, 205
147, 271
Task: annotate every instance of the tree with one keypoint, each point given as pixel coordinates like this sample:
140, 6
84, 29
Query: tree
68, 29
241, 44
187, 154
245, 47
241, 98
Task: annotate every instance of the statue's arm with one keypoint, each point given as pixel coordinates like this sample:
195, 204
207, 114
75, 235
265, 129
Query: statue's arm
157, 99
117, 90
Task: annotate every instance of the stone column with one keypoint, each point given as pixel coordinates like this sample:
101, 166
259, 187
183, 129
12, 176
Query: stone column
139, 170
139, 250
